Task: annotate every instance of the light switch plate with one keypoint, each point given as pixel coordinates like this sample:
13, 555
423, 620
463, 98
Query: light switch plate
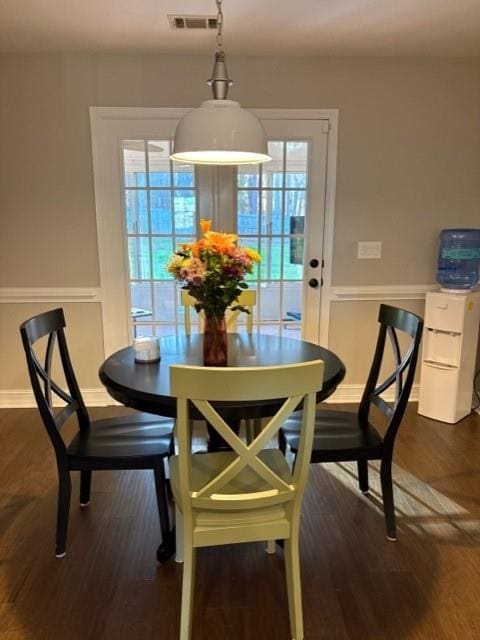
367, 250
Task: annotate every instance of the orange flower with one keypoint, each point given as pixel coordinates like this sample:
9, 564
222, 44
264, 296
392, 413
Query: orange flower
205, 225
214, 240
221, 242
196, 247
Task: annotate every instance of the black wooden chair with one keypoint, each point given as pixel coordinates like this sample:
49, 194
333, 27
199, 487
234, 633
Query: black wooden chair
342, 436
139, 441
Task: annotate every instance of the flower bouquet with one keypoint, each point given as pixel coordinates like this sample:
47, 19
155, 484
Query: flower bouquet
213, 271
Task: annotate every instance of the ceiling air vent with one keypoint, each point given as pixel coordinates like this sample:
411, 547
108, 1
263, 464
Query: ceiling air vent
192, 22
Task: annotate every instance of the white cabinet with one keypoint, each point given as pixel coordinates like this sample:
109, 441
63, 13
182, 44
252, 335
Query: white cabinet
449, 353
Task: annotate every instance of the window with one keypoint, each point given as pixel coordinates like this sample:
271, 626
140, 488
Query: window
160, 212
271, 209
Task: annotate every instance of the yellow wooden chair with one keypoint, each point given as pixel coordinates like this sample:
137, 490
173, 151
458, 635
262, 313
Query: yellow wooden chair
247, 494
247, 298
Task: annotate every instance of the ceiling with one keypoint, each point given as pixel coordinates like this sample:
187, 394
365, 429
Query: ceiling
251, 27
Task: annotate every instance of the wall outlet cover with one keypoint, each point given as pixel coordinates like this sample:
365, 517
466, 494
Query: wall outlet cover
368, 250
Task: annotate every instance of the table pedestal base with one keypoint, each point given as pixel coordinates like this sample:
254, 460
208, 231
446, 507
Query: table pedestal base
216, 442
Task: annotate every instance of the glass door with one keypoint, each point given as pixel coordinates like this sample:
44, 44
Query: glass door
160, 213
271, 210
279, 211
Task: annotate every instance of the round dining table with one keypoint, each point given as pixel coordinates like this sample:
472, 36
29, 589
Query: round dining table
146, 387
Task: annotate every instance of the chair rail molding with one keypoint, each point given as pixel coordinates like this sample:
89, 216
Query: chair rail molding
24, 399
352, 393
380, 292
22, 295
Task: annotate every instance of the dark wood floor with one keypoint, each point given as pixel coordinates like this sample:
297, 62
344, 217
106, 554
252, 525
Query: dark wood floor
357, 586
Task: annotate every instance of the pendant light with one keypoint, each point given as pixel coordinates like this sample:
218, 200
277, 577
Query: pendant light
220, 131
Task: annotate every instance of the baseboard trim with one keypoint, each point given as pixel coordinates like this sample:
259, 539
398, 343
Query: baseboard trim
23, 398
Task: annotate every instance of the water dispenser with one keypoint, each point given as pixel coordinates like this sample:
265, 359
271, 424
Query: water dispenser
458, 259
449, 351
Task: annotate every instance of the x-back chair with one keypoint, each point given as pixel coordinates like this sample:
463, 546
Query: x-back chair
138, 441
249, 493
342, 436
248, 299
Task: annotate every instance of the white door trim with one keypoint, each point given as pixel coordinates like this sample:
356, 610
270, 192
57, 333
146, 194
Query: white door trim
109, 125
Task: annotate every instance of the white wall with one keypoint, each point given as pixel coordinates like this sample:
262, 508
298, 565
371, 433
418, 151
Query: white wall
408, 165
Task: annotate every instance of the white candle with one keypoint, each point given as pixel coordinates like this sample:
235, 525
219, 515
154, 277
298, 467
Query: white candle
147, 349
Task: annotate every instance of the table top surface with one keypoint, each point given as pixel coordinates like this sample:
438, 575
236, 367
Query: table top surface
146, 387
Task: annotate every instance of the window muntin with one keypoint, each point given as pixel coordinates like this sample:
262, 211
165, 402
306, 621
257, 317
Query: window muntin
271, 210
160, 212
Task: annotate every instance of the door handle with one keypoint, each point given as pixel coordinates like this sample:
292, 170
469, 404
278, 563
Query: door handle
314, 263
313, 282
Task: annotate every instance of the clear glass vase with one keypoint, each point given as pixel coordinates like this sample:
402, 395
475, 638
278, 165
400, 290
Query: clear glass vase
215, 342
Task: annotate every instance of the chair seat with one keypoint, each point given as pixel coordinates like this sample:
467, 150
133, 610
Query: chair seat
132, 436
338, 435
206, 466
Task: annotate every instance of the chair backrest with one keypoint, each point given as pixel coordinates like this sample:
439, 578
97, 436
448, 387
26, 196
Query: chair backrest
392, 321
203, 385
248, 299
52, 324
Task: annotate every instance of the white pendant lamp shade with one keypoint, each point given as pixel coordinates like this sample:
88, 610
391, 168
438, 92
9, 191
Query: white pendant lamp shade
220, 132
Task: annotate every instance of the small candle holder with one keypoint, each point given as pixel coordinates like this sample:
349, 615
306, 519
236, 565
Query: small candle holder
147, 349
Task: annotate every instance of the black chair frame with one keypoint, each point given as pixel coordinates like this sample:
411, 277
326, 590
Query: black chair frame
370, 445
52, 324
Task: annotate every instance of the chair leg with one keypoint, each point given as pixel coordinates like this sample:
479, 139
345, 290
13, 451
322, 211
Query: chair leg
63, 510
85, 484
178, 535
165, 550
294, 587
188, 585
257, 427
271, 546
168, 486
171, 452
282, 442
249, 431
294, 461
253, 427
362, 466
387, 493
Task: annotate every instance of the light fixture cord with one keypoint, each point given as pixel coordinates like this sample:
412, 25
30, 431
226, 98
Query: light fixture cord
219, 25
220, 82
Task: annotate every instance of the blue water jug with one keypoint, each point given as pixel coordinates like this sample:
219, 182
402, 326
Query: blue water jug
459, 258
